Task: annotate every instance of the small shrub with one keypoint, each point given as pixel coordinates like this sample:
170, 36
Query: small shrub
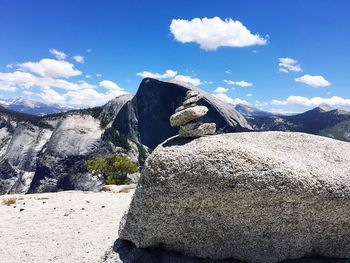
9, 201
114, 168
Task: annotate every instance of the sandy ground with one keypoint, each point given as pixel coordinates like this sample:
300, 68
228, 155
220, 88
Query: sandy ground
65, 227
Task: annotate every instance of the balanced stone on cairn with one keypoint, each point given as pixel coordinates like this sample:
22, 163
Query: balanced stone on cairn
187, 117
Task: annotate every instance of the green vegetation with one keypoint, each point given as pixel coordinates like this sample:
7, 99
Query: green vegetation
118, 139
113, 168
9, 201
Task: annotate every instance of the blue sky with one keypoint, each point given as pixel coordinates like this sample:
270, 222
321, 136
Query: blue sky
285, 56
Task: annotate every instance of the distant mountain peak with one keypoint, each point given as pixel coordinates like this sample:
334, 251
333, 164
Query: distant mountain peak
325, 107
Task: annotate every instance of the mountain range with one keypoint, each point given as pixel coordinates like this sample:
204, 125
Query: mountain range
48, 153
33, 107
322, 120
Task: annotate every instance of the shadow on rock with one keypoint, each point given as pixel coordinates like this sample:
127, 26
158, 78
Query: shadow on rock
128, 253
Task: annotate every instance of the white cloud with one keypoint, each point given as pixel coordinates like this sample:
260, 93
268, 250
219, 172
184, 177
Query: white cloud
51, 96
79, 59
188, 79
225, 98
334, 101
240, 83
171, 74
58, 54
211, 33
228, 71
221, 90
98, 75
9, 65
287, 65
110, 85
87, 76
50, 68
168, 74
313, 81
205, 82
249, 95
55, 90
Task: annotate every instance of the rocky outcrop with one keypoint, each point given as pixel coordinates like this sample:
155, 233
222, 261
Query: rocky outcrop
146, 117
42, 154
255, 197
39, 154
188, 118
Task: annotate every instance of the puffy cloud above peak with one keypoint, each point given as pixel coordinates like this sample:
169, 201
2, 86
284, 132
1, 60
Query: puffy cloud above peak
314, 81
287, 65
188, 79
58, 54
211, 33
168, 74
50, 68
107, 84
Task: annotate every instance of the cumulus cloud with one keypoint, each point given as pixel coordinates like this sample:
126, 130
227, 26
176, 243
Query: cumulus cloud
79, 59
314, 81
188, 79
240, 83
110, 85
227, 99
211, 33
50, 68
221, 90
60, 91
168, 74
287, 65
334, 101
171, 74
249, 95
58, 54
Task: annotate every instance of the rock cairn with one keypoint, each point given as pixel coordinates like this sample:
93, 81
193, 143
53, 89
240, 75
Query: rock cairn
188, 117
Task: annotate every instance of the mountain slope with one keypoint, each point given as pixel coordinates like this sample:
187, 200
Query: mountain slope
146, 117
42, 154
250, 111
313, 121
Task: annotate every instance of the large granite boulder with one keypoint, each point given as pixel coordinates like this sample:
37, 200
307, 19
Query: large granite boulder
255, 197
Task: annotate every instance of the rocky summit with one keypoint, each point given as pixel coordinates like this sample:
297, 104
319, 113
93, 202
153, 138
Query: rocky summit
254, 197
188, 117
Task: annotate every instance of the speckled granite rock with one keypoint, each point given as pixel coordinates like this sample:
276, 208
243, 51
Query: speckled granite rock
186, 115
256, 197
197, 129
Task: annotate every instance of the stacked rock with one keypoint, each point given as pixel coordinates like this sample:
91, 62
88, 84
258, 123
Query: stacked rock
187, 117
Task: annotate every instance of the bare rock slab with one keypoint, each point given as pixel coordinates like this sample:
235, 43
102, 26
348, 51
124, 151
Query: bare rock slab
183, 117
195, 130
255, 197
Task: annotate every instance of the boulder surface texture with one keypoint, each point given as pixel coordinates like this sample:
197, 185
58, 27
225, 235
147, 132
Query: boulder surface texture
255, 197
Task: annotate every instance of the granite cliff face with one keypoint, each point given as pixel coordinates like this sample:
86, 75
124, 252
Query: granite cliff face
40, 154
146, 117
